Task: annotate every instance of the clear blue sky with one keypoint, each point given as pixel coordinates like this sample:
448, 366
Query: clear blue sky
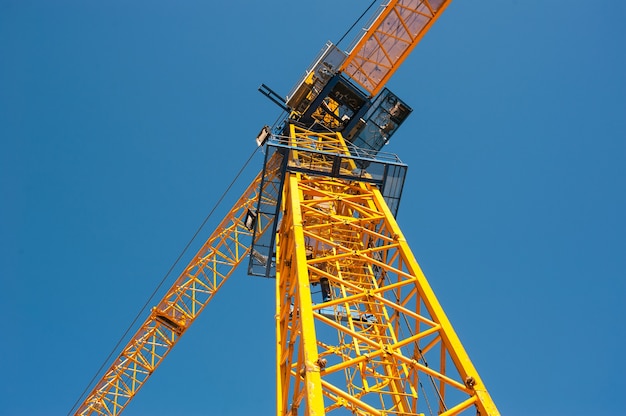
121, 125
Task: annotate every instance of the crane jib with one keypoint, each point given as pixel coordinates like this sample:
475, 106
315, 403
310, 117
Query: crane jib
389, 40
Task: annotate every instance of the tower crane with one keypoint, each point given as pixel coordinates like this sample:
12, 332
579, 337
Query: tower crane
371, 338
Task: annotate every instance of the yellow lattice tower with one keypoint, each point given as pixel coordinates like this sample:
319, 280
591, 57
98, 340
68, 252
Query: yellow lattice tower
376, 341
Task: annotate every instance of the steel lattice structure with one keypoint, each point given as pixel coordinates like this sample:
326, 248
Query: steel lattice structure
377, 342
358, 328
209, 269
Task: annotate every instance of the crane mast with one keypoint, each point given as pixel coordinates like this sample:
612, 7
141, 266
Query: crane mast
375, 341
358, 328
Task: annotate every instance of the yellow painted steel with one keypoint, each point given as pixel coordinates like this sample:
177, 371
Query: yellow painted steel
301, 339
389, 40
209, 269
380, 344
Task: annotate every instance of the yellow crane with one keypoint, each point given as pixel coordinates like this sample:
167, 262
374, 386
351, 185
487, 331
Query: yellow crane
371, 337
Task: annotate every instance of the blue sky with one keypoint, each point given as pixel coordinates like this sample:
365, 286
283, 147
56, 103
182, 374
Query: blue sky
122, 124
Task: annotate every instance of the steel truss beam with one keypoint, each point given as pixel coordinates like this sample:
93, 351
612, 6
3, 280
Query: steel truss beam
209, 269
389, 40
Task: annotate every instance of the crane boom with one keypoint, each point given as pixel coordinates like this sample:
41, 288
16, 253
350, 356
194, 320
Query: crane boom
209, 269
389, 40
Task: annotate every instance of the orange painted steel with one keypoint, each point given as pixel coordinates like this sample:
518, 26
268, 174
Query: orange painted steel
389, 40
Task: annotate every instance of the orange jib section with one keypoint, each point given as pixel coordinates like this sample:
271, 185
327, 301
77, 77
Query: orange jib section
389, 40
